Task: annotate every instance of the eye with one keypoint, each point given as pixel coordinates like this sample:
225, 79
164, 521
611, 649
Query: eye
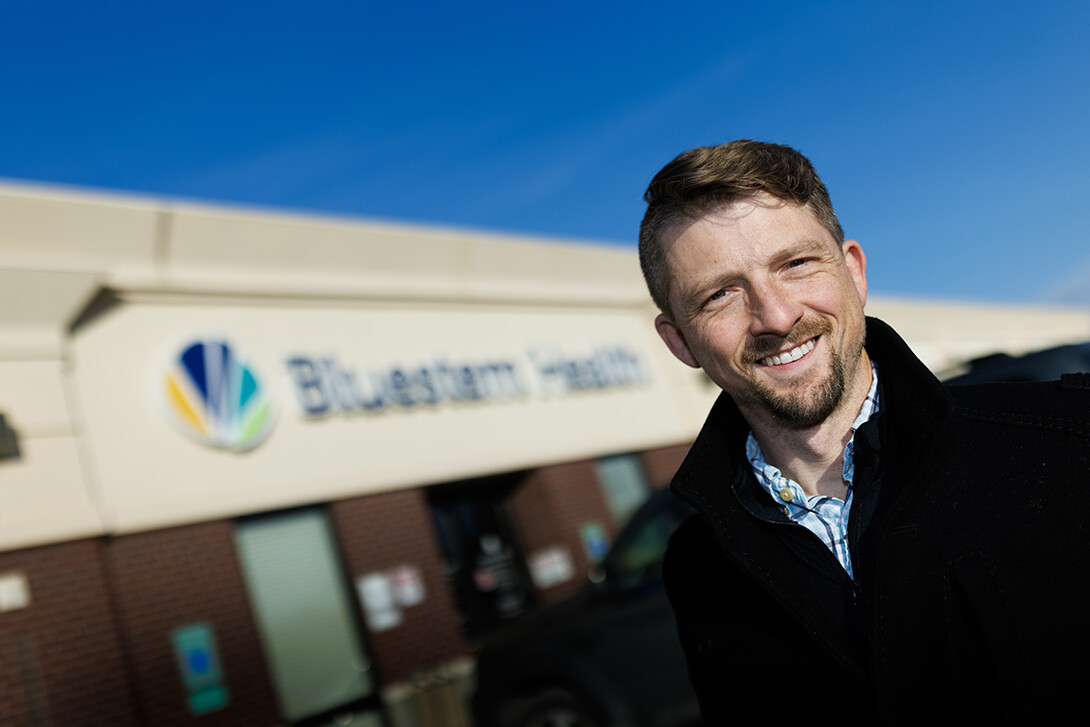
798, 262
718, 300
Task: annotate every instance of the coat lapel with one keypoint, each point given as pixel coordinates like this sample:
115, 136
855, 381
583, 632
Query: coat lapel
706, 480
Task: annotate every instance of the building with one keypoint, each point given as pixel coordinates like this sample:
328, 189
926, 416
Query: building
265, 469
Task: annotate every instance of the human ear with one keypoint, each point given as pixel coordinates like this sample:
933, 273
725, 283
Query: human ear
675, 340
856, 260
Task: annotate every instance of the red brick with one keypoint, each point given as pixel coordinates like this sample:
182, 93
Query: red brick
378, 533
660, 464
550, 508
169, 578
61, 661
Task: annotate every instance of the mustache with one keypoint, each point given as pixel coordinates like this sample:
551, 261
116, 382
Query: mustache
803, 331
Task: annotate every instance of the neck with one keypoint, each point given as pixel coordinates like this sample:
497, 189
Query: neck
814, 457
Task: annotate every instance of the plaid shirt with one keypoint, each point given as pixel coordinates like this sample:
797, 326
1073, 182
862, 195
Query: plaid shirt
826, 517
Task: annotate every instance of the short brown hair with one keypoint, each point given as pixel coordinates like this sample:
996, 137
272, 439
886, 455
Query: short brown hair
714, 176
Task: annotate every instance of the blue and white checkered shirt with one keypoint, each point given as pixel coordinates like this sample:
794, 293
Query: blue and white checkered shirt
826, 517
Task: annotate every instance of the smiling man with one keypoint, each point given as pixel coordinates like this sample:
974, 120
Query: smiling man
866, 539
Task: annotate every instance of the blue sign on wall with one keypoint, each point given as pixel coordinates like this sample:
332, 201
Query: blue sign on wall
199, 664
595, 541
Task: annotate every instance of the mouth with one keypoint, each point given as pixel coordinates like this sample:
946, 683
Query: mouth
787, 357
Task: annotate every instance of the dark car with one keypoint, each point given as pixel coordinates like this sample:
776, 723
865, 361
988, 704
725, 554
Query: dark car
1046, 365
607, 656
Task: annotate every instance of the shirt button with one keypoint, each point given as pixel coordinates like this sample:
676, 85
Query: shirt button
785, 495
787, 511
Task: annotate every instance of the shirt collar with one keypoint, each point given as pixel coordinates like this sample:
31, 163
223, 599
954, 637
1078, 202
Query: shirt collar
870, 404
770, 477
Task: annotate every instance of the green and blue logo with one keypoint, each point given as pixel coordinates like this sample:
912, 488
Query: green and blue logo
217, 398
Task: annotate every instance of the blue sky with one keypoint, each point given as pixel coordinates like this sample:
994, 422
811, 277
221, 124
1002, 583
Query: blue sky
952, 135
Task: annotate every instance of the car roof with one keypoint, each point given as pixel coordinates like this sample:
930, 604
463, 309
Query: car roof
1046, 365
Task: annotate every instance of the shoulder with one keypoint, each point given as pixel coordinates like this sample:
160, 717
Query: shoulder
691, 542
690, 552
1059, 406
1019, 446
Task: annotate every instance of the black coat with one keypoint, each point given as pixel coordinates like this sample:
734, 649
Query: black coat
969, 536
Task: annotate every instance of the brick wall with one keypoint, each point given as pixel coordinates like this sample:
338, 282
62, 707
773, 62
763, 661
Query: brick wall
61, 662
168, 578
660, 464
550, 507
378, 533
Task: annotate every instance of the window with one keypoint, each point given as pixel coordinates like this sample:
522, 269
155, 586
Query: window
623, 484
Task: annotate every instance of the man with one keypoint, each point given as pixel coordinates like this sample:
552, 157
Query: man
869, 547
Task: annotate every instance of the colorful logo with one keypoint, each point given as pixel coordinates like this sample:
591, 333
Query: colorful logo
216, 398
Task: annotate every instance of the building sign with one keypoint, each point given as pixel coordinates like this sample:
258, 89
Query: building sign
595, 541
551, 566
379, 600
189, 424
324, 385
199, 665
14, 591
214, 396
408, 585
383, 595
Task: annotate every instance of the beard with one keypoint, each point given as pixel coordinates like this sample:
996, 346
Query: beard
806, 406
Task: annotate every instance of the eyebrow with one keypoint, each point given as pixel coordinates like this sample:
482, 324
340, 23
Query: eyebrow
802, 247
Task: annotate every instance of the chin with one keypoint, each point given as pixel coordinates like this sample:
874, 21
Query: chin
808, 409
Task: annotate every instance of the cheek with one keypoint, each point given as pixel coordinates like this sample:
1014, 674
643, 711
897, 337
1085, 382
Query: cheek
721, 341
834, 299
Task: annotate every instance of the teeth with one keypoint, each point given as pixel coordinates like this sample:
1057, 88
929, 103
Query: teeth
793, 355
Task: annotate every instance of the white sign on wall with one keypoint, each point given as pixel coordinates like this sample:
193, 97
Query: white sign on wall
551, 566
14, 591
379, 602
370, 399
325, 385
408, 585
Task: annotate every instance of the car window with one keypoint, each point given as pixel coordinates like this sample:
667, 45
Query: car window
637, 557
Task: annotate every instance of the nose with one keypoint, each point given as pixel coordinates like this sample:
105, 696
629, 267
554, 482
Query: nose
772, 311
